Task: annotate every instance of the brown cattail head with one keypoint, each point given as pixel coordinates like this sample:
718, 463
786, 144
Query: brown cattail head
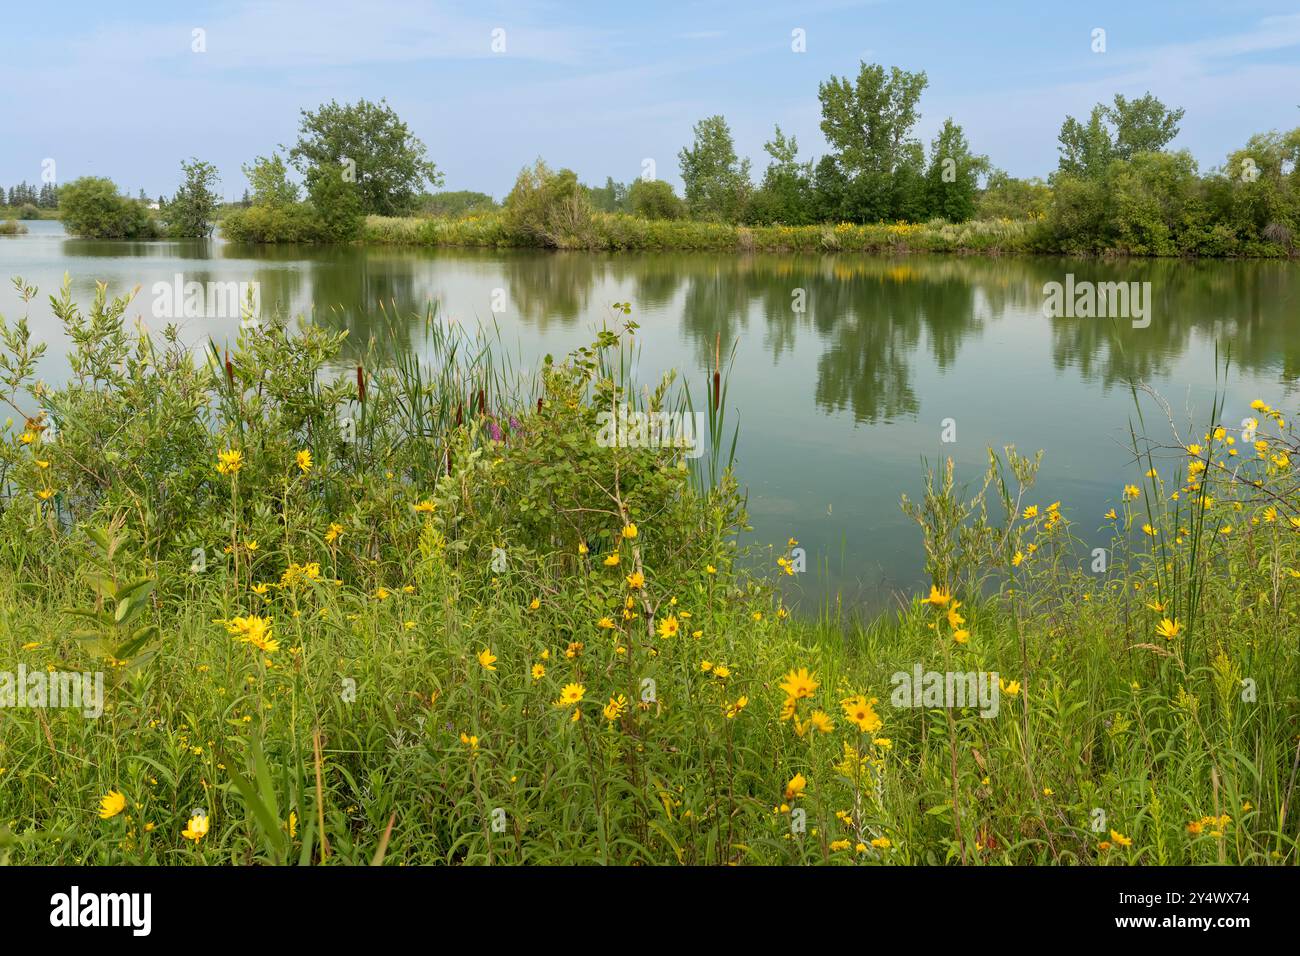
460, 415
230, 370
717, 371
539, 404
361, 384
482, 402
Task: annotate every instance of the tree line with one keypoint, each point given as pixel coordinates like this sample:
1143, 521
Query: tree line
29, 199
1117, 186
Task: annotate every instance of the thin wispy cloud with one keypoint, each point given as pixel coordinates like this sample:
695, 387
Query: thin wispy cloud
120, 92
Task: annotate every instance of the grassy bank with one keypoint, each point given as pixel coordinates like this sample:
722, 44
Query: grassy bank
613, 232
418, 613
20, 213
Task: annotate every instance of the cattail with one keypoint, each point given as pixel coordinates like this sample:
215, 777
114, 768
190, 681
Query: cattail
482, 403
460, 414
361, 384
717, 371
230, 370
539, 405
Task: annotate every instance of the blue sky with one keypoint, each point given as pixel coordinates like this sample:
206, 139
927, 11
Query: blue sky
599, 87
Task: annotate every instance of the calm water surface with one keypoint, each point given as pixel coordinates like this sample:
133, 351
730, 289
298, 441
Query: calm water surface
838, 405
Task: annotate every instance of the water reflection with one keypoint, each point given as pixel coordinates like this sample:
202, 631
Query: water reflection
845, 364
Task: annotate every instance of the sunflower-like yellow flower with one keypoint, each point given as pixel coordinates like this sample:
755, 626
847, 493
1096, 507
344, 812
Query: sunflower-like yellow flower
616, 707
955, 620
303, 461
111, 804
255, 631
230, 461
939, 597
794, 789
197, 828
570, 695
860, 712
731, 711
799, 684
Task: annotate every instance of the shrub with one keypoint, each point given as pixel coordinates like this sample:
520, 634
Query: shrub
1005, 197
92, 208
191, 212
296, 222
457, 204
654, 199
28, 211
549, 208
337, 205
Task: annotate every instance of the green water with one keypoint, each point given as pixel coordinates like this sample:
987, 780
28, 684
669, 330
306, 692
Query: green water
838, 404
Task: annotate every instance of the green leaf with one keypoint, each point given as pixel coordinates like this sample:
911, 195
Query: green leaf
103, 585
100, 537
136, 641
267, 822
129, 590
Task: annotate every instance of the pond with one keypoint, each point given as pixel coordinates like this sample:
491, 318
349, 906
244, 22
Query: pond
851, 372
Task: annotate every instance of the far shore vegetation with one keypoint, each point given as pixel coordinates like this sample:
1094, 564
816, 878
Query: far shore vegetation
361, 175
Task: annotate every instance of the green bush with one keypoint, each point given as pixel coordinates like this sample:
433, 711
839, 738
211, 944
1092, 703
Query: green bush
337, 205
654, 199
547, 208
92, 208
457, 204
1005, 197
296, 222
191, 213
